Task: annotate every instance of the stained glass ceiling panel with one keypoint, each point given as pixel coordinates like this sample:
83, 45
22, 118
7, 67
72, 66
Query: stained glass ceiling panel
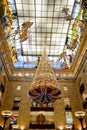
29, 25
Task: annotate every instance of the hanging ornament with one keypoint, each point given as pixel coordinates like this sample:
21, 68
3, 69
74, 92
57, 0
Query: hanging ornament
44, 88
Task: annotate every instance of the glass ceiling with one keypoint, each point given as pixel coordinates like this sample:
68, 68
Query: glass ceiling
29, 25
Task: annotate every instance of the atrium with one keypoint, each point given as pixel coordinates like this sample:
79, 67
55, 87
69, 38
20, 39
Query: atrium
43, 64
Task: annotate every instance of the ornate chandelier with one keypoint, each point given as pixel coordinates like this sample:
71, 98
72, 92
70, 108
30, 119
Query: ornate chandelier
44, 87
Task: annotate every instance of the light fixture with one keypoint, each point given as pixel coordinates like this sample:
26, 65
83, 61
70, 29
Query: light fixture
27, 74
65, 88
18, 87
44, 88
61, 128
20, 74
6, 114
80, 115
68, 126
15, 126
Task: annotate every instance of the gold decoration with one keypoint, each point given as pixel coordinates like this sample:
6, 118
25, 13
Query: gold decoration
40, 119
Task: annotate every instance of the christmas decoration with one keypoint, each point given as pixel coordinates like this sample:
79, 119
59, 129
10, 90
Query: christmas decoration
44, 88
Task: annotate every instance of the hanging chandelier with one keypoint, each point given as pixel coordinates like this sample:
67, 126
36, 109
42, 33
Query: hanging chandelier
44, 87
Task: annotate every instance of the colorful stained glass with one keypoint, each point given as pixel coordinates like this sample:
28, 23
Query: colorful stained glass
28, 29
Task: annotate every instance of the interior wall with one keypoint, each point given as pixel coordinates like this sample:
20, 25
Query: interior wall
82, 79
24, 109
70, 89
